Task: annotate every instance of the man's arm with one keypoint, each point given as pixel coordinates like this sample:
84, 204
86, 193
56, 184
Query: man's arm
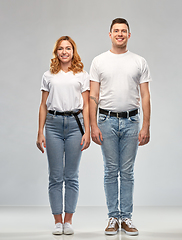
144, 134
94, 100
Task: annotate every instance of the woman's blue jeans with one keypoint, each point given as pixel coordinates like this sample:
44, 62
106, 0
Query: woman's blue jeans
63, 138
119, 148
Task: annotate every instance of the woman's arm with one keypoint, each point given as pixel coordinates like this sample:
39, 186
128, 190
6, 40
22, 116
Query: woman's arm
86, 136
42, 117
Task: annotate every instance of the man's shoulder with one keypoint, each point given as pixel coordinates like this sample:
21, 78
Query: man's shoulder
136, 56
101, 56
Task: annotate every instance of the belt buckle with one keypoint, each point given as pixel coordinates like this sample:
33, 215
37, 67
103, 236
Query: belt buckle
66, 114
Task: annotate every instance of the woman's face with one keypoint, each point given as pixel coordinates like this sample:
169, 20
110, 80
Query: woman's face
65, 52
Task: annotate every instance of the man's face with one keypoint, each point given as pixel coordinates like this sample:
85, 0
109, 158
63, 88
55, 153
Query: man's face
119, 35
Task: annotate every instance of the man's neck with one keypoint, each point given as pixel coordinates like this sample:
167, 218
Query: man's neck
118, 50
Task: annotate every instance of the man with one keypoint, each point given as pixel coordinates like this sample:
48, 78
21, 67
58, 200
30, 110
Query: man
117, 77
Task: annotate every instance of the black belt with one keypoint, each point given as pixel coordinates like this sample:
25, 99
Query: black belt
119, 114
70, 113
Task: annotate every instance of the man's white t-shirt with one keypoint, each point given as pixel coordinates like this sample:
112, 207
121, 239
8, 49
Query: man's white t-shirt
119, 76
65, 90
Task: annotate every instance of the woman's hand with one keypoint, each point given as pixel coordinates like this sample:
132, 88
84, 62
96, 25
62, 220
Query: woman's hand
85, 141
41, 140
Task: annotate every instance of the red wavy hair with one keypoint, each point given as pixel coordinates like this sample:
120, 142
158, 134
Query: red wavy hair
76, 64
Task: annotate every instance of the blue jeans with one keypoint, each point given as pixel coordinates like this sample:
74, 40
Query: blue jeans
119, 148
63, 138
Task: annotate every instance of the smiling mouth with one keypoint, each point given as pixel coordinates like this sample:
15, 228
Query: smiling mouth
120, 39
64, 56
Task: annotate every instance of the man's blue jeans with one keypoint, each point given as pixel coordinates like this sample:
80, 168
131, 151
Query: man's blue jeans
63, 138
119, 148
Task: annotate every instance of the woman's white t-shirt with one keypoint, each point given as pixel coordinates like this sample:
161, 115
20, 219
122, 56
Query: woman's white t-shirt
65, 90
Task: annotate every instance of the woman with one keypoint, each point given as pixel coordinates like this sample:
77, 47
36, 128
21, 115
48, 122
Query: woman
64, 110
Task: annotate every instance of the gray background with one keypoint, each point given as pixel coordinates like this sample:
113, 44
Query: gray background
29, 30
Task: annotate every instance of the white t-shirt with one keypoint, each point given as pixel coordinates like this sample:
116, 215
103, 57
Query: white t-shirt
65, 90
119, 76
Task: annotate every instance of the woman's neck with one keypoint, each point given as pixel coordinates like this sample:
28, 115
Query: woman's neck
65, 67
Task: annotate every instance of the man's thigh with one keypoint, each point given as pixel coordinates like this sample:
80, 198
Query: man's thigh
110, 144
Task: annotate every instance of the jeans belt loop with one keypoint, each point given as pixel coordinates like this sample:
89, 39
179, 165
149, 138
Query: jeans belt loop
128, 115
117, 115
109, 113
54, 112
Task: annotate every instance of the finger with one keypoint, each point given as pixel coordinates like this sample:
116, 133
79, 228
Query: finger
143, 141
101, 138
140, 139
84, 147
40, 147
82, 141
97, 140
44, 143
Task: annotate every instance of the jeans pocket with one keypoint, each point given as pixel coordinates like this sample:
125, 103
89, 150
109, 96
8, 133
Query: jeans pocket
102, 118
49, 116
135, 118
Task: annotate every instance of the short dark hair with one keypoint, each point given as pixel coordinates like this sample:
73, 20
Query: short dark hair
119, 20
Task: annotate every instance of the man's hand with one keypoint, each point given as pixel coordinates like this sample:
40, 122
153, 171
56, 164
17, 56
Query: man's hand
96, 135
144, 136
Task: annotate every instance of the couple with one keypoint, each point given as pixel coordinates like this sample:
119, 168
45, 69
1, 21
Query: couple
116, 78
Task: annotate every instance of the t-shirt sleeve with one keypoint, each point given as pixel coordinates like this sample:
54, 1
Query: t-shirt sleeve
44, 83
145, 75
94, 76
86, 82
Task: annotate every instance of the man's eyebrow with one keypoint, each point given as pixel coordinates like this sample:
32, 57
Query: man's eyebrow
119, 29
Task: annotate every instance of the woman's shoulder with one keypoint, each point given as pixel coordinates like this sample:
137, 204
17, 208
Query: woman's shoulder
47, 73
83, 74
47, 76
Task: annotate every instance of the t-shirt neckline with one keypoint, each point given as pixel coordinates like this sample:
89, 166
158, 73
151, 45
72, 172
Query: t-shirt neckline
120, 54
64, 72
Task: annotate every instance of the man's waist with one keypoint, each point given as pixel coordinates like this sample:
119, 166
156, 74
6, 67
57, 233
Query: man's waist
125, 114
